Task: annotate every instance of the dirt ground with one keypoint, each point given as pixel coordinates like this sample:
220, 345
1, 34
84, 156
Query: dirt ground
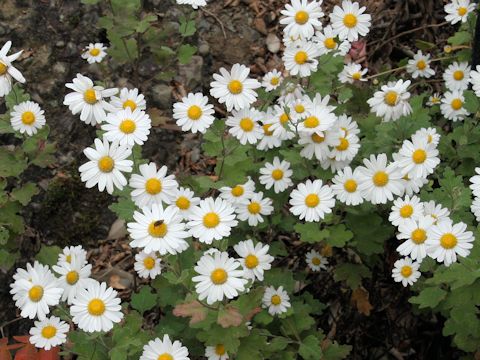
53, 32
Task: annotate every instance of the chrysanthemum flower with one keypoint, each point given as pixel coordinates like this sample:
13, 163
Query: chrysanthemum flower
315, 261
345, 187
184, 200
129, 99
297, 109
127, 127
327, 42
417, 158
475, 80
276, 301
272, 80
268, 139
351, 73
254, 208
406, 271
405, 209
349, 21
415, 232
320, 118
254, 258
311, 200
436, 211
147, 265
391, 102
216, 352
452, 106
194, 113
419, 66
194, 4
347, 148
73, 276
7, 70
238, 193
94, 53
458, 10
290, 93
244, 125
434, 99
27, 117
48, 333
475, 208
457, 76
317, 145
302, 18
277, 175
279, 121
73, 253
300, 58
164, 349
429, 134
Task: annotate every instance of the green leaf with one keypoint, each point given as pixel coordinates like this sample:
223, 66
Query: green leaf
460, 38
7, 259
185, 53
145, 23
310, 232
429, 297
143, 300
48, 255
16, 96
12, 163
87, 347
124, 208
90, 2
352, 274
187, 26
336, 351
310, 348
339, 236
25, 193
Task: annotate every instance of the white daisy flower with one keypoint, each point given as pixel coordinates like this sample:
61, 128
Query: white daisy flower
315, 261
351, 73
457, 76
96, 308
347, 149
73, 253
349, 21
7, 70
436, 211
194, 4
475, 183
147, 265
475, 80
244, 125
238, 193
334, 165
234, 89
184, 200
289, 40
452, 106
212, 219
94, 53
417, 158
107, 164
276, 300
88, 100
280, 123
346, 124
320, 117
406, 271
435, 99
129, 99
413, 185
272, 80
391, 102
254, 259
127, 126
345, 187
73, 276
419, 66
254, 208
268, 140
302, 18
48, 333
34, 295
291, 92
156, 229
458, 10
430, 135
27, 117
327, 42
475, 208
415, 231
311, 200
317, 145
405, 209
152, 186
164, 349
297, 109
447, 240
219, 277
216, 352
194, 113
379, 181
300, 59
277, 175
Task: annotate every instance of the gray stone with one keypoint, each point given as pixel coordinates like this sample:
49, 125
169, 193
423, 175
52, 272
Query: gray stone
190, 75
162, 96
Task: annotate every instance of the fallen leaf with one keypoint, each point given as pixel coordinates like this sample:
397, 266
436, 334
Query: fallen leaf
52, 354
117, 230
193, 309
360, 298
230, 316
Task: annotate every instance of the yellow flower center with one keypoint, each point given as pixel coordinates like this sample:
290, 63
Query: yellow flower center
421, 64
456, 104
28, 118
106, 164
94, 52
330, 43
299, 109
235, 87
194, 112
3, 69
350, 20
276, 300
406, 271
356, 76
153, 186
251, 261
254, 207
219, 276
462, 11
128, 126
90, 96
301, 57
68, 258
165, 356
211, 220
237, 191
350, 185
72, 277
312, 200
419, 156
317, 138
316, 261
301, 17
419, 236
96, 307
406, 211
35, 293
220, 350
49, 331
448, 241
380, 178
266, 130
183, 203
246, 124
157, 229
130, 103
274, 81
391, 98
344, 144
284, 119
277, 174
311, 122
458, 75
149, 263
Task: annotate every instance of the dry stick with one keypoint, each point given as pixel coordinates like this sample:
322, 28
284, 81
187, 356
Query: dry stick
218, 20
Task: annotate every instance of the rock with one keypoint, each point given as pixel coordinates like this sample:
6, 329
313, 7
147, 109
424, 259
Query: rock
162, 96
60, 68
204, 49
273, 43
190, 75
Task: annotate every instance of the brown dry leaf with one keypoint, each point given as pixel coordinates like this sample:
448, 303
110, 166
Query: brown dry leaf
157, 117
260, 26
360, 298
117, 230
116, 278
193, 309
230, 316
326, 251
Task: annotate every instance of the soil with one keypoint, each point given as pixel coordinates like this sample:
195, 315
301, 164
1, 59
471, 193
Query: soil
53, 32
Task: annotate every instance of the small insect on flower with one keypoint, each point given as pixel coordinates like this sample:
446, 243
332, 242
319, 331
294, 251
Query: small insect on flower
311, 200
128, 99
254, 258
216, 352
220, 276
277, 175
458, 10
276, 301
164, 349
27, 117
406, 271
7, 70
194, 113
315, 261
349, 21
302, 18
49, 333
94, 53
147, 265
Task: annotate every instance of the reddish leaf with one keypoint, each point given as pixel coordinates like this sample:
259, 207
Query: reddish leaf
27, 351
360, 298
24, 339
52, 354
5, 353
230, 316
193, 309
